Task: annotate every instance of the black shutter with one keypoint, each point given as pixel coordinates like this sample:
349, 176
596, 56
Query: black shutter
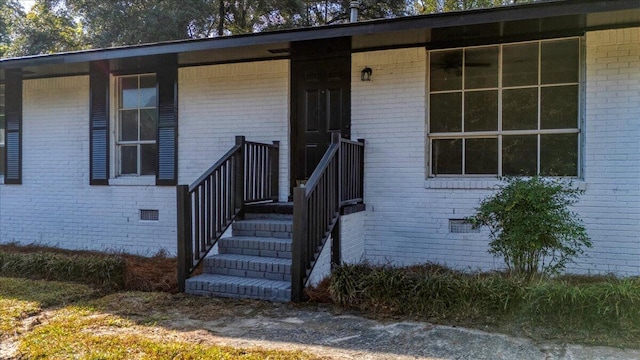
13, 120
99, 123
167, 173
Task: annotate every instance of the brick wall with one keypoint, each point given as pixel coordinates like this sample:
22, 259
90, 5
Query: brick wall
611, 205
352, 246
407, 219
55, 204
352, 237
219, 102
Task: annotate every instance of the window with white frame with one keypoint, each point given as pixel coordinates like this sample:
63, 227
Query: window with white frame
509, 109
137, 116
2, 127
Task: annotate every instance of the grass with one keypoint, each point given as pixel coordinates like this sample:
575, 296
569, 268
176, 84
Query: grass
20, 299
78, 333
106, 271
592, 310
601, 310
74, 321
90, 317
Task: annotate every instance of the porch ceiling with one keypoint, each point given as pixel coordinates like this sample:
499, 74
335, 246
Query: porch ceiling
551, 18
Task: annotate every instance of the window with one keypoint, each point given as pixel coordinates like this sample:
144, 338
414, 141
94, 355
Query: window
137, 125
2, 126
509, 109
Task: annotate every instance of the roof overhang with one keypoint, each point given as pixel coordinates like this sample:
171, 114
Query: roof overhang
509, 23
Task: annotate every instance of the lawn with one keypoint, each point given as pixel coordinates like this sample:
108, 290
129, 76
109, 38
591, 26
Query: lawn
116, 310
49, 319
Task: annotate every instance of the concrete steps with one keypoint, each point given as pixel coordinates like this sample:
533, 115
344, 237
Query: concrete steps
255, 262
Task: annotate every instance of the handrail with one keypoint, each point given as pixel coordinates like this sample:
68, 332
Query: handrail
336, 181
214, 167
247, 173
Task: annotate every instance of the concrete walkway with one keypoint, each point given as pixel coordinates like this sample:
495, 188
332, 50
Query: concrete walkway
346, 336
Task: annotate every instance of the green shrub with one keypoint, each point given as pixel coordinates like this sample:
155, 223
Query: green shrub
598, 309
103, 271
425, 293
531, 226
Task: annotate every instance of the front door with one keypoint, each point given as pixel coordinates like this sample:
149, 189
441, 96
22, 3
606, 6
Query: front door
321, 95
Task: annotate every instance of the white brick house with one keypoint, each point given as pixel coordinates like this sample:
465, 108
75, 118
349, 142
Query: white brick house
82, 163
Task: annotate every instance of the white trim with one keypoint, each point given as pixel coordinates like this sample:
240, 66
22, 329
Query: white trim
483, 183
115, 143
146, 180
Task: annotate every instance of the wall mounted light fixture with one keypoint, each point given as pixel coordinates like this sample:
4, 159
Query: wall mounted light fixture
365, 74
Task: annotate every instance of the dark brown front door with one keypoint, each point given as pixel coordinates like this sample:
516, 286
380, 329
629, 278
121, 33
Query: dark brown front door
321, 95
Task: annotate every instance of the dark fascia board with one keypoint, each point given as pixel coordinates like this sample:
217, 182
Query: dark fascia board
539, 10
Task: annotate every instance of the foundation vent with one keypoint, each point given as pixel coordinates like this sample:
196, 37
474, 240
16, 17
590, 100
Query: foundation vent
149, 215
461, 226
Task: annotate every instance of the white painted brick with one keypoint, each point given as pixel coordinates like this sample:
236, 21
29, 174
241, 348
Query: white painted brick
55, 204
407, 217
352, 236
218, 102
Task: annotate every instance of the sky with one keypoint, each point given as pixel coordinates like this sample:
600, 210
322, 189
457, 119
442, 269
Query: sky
27, 4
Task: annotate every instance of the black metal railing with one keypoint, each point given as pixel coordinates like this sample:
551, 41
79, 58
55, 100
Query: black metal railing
247, 173
336, 181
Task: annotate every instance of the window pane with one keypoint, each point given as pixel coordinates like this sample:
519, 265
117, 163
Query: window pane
148, 124
128, 125
481, 111
481, 68
481, 156
519, 155
446, 70
559, 107
520, 64
148, 91
559, 155
520, 109
446, 112
129, 92
128, 160
560, 61
447, 156
148, 159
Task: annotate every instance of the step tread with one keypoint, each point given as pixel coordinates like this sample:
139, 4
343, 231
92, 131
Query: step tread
266, 221
239, 287
257, 238
273, 208
227, 279
252, 258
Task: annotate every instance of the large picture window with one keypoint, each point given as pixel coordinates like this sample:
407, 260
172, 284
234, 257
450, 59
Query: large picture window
137, 125
509, 109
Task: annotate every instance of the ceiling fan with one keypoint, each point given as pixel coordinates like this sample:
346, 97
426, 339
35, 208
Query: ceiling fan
451, 63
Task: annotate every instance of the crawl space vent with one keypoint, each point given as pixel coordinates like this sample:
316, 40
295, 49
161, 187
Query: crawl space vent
461, 226
149, 215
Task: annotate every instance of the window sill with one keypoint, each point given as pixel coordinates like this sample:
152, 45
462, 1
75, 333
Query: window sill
133, 181
481, 184
463, 183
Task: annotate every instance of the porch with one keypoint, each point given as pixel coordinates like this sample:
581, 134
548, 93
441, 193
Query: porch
273, 248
